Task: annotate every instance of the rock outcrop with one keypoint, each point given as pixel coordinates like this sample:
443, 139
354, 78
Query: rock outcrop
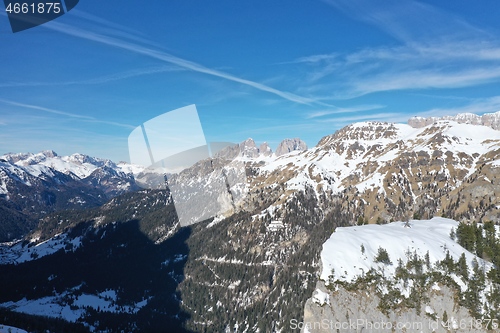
265, 150
288, 145
249, 149
358, 311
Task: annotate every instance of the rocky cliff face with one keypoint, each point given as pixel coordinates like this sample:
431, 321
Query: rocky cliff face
289, 145
359, 311
488, 119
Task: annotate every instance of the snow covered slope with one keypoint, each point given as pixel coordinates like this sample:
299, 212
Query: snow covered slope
351, 251
10, 329
72, 305
19, 252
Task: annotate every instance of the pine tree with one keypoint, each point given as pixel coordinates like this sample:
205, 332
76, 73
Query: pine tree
463, 270
427, 260
383, 256
478, 230
361, 220
466, 236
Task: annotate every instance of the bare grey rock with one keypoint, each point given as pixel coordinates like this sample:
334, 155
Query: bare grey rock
357, 311
265, 150
249, 149
288, 145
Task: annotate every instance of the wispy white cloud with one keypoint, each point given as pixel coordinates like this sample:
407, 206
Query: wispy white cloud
314, 58
407, 20
477, 106
105, 23
417, 65
389, 117
155, 53
40, 108
437, 50
65, 114
99, 80
321, 113
424, 79
111, 28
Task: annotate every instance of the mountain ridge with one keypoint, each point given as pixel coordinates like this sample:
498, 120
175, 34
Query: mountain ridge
488, 119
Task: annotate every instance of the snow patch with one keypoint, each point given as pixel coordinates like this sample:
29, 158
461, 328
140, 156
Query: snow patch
20, 252
321, 298
11, 329
70, 307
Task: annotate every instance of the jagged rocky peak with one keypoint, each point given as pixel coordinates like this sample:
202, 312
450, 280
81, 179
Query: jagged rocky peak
81, 158
40, 157
49, 153
288, 145
248, 148
488, 119
265, 150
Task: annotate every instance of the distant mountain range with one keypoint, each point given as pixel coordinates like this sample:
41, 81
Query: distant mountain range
33, 185
488, 119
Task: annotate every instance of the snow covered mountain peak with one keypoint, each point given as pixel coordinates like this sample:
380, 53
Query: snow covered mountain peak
79, 165
32, 185
82, 159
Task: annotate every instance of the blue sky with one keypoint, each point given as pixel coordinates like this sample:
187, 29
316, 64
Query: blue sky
263, 69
